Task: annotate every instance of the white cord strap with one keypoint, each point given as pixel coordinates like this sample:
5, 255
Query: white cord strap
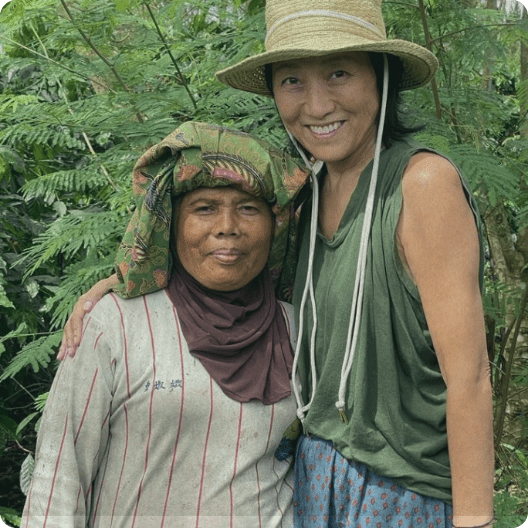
359, 285
357, 299
308, 288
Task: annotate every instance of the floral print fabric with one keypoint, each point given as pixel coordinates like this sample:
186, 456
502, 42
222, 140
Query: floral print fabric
204, 155
331, 491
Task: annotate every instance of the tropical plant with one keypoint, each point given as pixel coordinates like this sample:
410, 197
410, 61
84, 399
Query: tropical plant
88, 85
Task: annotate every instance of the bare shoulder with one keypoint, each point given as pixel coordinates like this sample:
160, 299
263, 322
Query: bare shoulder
432, 190
436, 220
430, 174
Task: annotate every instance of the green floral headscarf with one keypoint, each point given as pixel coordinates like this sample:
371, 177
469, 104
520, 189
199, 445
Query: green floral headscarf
203, 155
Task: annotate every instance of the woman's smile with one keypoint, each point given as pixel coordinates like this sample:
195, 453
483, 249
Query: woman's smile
223, 236
330, 104
325, 131
227, 255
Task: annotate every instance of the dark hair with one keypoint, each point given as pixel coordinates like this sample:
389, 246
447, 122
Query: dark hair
395, 128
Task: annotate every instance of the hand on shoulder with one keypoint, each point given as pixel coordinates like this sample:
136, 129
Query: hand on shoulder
85, 303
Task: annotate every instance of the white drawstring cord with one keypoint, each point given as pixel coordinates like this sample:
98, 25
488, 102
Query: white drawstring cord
357, 300
308, 288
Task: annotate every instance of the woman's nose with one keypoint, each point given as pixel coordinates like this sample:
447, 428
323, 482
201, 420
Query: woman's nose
227, 224
318, 102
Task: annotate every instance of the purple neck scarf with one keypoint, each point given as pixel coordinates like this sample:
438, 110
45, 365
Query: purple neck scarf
240, 337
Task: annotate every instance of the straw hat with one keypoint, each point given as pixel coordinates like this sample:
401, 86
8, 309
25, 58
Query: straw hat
306, 28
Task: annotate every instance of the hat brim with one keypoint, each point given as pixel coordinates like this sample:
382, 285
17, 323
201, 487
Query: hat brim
419, 64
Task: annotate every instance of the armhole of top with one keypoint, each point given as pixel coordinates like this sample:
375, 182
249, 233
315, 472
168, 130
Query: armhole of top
401, 269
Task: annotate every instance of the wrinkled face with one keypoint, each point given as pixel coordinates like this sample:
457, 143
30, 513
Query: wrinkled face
223, 236
330, 104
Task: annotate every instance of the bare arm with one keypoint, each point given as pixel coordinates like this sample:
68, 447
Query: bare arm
439, 244
73, 327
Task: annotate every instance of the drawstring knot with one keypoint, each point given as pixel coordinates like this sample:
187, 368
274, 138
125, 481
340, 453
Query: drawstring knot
341, 408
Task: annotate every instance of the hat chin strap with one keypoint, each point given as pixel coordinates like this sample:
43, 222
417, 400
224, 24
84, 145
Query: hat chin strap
315, 167
357, 299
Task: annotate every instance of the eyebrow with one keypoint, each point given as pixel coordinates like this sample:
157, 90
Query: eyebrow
284, 66
291, 65
215, 201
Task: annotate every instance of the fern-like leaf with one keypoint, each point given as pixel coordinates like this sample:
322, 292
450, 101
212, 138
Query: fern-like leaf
36, 354
26, 472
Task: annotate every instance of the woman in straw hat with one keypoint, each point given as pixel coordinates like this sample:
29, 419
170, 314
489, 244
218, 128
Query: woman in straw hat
391, 353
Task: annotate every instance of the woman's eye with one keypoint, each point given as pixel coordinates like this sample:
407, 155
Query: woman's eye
339, 74
289, 81
249, 209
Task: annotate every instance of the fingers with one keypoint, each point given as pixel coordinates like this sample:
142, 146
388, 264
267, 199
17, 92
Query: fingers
76, 324
65, 347
73, 328
62, 351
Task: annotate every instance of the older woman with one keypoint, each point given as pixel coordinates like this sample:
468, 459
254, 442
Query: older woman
396, 399
170, 413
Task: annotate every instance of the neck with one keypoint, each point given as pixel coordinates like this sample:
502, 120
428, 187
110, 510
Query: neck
344, 174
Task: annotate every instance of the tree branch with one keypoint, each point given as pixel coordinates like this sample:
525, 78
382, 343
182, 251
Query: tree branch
507, 371
85, 77
97, 52
180, 75
429, 46
85, 137
472, 28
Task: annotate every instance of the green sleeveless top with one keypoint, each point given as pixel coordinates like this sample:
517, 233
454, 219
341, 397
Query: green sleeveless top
396, 396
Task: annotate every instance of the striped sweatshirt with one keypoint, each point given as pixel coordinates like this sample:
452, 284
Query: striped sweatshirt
136, 434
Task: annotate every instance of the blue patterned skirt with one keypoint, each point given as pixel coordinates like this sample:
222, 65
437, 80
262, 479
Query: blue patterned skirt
331, 491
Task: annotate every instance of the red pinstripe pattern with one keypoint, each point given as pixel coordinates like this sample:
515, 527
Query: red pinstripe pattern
79, 493
55, 472
288, 325
147, 448
89, 397
171, 470
256, 465
89, 490
125, 347
235, 466
124, 459
105, 419
83, 330
99, 494
205, 452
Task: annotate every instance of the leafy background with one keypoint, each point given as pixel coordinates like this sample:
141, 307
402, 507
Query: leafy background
88, 85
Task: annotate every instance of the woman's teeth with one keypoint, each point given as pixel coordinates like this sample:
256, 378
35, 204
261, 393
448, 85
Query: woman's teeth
326, 129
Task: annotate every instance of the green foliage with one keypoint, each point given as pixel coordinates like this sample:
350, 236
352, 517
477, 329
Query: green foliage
36, 354
10, 516
510, 510
87, 85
